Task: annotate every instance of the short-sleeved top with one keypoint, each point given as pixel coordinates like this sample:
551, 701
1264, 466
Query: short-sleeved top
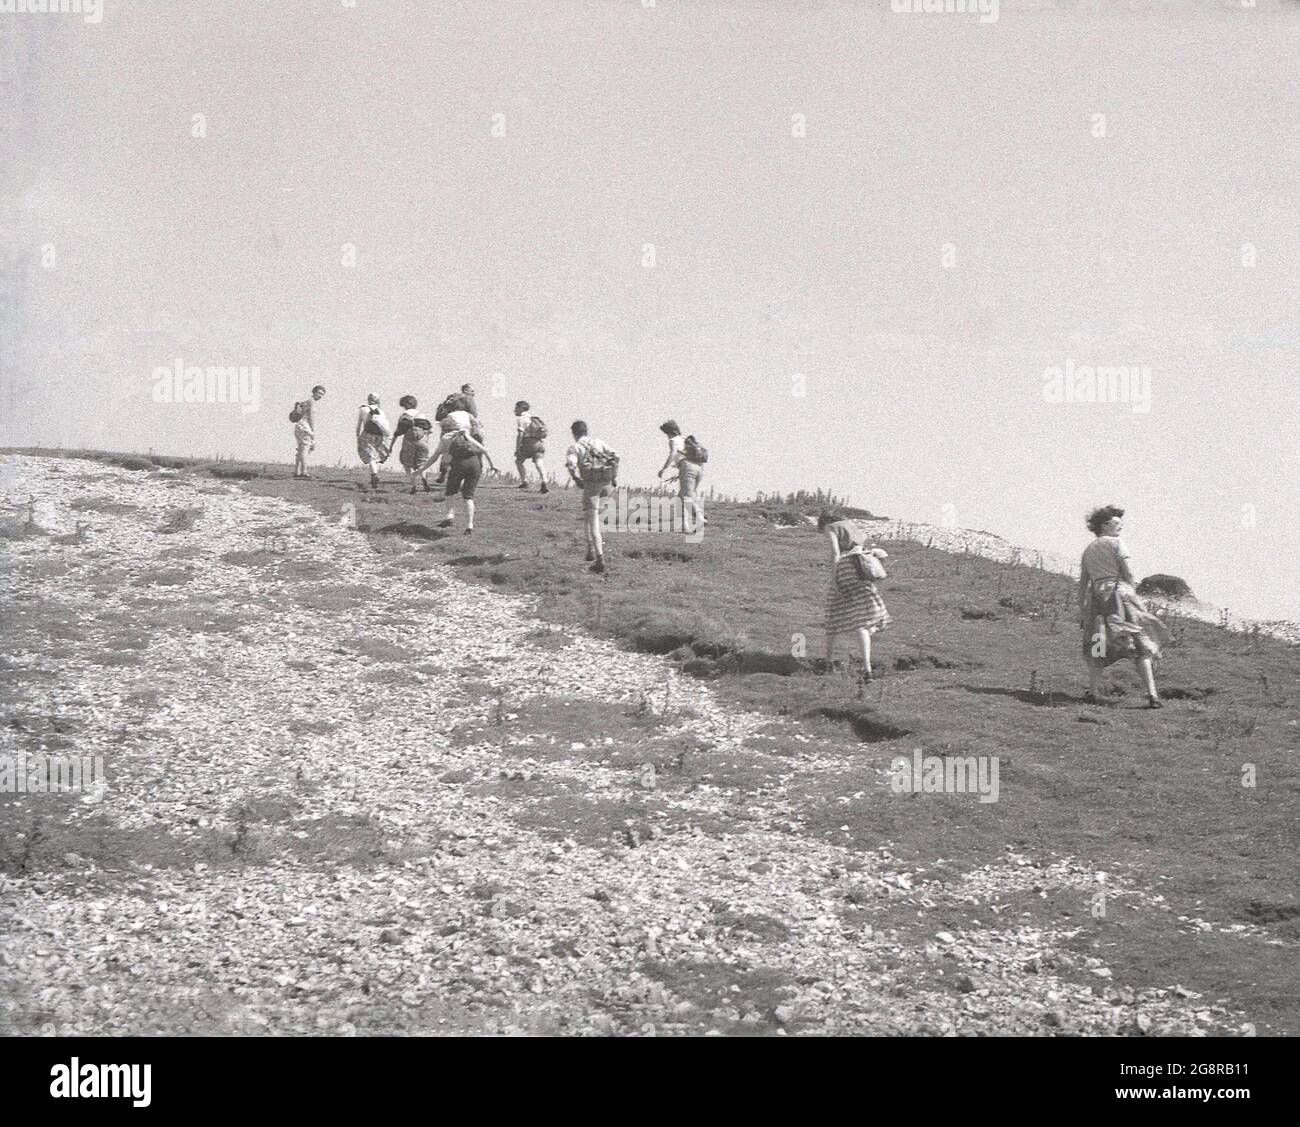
305, 410
574, 452
409, 419
371, 420
1102, 558
676, 449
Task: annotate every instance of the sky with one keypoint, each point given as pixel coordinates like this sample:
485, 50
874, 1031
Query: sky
848, 247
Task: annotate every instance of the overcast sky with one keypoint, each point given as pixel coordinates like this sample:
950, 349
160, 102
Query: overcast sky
873, 234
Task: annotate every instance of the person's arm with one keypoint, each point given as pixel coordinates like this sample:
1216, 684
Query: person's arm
571, 464
1125, 568
478, 446
1084, 584
362, 416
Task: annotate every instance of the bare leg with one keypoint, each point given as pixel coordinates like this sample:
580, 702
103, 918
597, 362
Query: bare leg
864, 636
1148, 678
469, 514
1094, 678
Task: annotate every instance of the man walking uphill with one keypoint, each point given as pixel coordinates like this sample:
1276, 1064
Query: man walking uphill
593, 466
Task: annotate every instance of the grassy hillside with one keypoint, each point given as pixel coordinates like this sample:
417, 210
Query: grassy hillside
982, 659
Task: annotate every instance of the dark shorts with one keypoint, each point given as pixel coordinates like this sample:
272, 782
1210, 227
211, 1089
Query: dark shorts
463, 476
527, 448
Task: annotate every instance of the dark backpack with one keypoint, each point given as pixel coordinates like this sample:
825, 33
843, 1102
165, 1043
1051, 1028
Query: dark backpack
535, 431
295, 416
460, 446
454, 402
694, 452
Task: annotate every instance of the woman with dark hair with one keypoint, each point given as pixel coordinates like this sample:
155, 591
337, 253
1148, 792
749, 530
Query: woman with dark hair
1115, 620
688, 472
414, 429
853, 602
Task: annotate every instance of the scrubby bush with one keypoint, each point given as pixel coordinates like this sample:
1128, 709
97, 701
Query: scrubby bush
1170, 586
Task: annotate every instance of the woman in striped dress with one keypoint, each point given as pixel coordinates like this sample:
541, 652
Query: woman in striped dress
1116, 621
853, 603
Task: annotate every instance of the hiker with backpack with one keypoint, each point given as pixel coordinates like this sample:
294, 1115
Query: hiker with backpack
530, 444
853, 602
464, 455
304, 431
372, 437
593, 466
687, 457
415, 431
461, 408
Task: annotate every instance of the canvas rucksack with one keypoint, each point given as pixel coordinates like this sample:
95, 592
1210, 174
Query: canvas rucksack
694, 452
295, 416
535, 431
597, 467
460, 446
454, 402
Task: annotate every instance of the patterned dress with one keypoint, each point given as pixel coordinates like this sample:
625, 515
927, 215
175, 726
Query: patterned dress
1117, 623
853, 603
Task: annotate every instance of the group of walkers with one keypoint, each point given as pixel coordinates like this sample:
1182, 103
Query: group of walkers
461, 454
1116, 622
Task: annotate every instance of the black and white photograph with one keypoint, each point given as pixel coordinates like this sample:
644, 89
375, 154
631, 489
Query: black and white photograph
611, 519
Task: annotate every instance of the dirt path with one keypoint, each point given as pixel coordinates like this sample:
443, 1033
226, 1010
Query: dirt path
349, 793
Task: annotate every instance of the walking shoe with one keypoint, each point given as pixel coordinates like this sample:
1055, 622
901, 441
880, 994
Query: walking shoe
1155, 702
544, 488
427, 487
469, 531
590, 555
598, 567
524, 485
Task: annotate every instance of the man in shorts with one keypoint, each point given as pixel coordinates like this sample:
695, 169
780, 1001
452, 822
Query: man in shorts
593, 466
527, 448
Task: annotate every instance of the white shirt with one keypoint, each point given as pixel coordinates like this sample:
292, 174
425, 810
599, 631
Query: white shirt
676, 450
363, 417
463, 419
575, 451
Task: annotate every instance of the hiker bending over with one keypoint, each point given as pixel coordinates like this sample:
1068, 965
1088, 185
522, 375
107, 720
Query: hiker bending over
304, 430
853, 602
1115, 620
462, 409
465, 455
